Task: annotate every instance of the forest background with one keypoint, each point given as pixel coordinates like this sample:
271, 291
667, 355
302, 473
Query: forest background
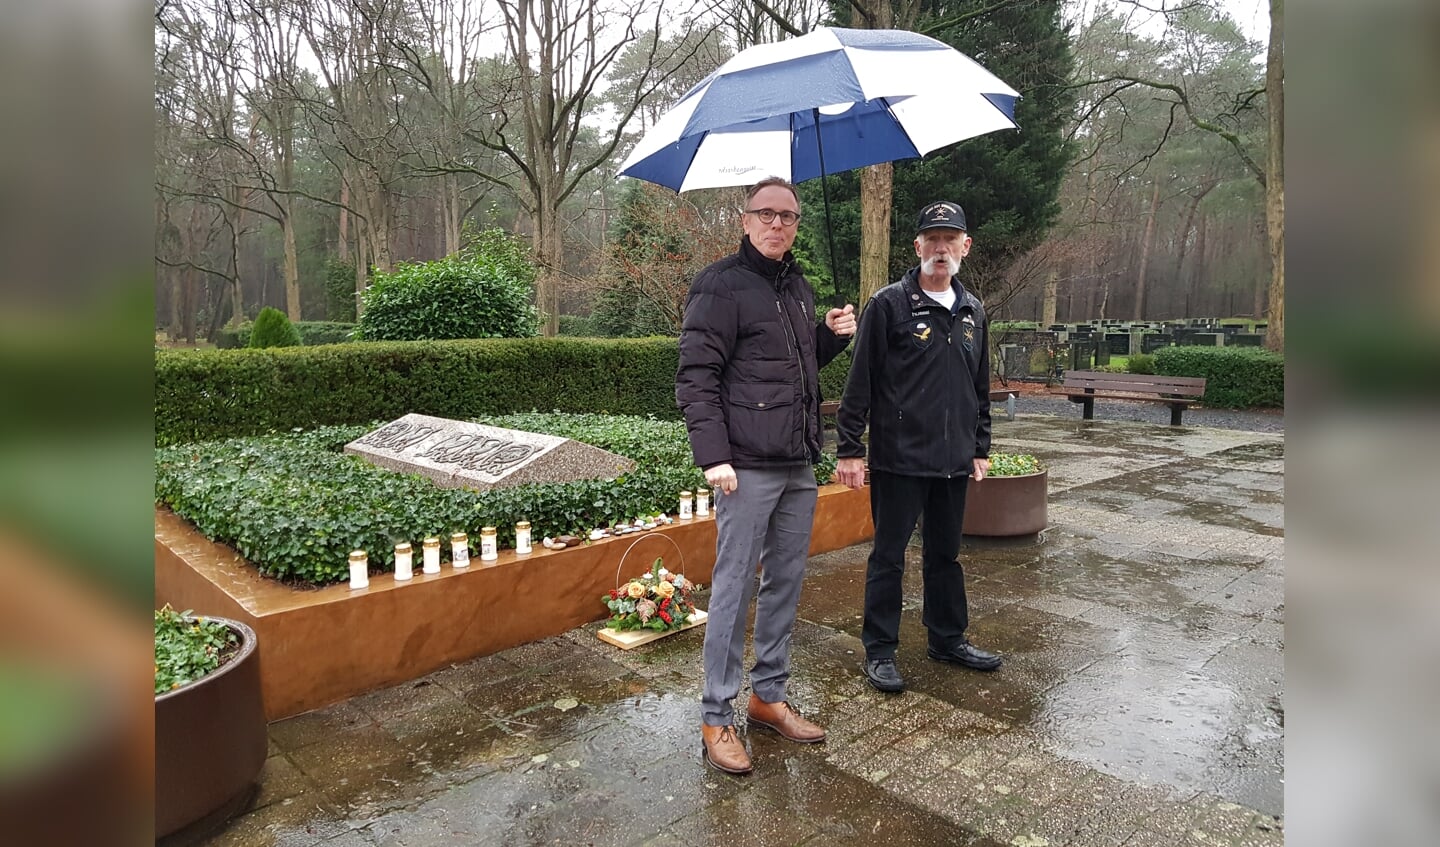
305, 146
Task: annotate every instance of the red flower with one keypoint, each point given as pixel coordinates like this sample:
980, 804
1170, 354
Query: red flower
665, 604
665, 616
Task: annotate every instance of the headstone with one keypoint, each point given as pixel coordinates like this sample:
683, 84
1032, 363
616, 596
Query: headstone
1201, 339
1151, 343
1119, 343
459, 454
1246, 339
1015, 361
1102, 352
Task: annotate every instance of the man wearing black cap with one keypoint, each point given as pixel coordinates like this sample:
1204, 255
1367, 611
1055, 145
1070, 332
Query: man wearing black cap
921, 377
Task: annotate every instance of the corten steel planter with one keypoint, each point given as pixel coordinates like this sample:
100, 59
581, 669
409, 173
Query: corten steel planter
1006, 505
210, 740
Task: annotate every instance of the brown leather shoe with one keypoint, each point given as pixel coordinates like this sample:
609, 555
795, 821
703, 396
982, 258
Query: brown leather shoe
782, 718
723, 750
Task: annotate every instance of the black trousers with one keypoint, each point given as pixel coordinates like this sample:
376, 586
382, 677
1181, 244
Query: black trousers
896, 502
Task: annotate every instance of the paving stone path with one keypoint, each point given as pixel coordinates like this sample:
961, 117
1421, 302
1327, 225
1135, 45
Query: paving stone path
1141, 702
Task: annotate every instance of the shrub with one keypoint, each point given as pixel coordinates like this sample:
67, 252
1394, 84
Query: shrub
205, 394
324, 332
187, 648
578, 326
1235, 377
484, 292
295, 506
273, 329
231, 338
340, 290
1141, 363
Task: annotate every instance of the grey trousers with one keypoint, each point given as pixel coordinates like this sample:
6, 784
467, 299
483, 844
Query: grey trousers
766, 519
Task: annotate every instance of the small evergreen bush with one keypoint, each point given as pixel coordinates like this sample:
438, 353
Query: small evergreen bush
483, 292
1141, 363
273, 329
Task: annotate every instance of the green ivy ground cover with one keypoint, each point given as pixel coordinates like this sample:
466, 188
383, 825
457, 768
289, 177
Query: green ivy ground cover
295, 506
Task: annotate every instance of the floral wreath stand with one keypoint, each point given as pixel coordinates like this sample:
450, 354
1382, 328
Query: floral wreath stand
630, 639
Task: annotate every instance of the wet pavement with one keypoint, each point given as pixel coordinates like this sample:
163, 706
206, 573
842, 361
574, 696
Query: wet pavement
1141, 702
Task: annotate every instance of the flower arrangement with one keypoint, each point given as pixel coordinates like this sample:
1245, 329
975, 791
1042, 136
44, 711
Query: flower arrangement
1013, 464
658, 600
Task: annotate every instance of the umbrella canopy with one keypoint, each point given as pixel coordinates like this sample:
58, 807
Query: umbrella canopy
873, 95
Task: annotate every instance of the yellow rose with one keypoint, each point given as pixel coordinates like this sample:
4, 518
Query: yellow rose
665, 589
635, 590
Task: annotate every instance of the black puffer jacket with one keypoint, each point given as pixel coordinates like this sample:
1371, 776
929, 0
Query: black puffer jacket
750, 356
921, 376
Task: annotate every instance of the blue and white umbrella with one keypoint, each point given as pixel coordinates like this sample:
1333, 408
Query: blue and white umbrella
875, 95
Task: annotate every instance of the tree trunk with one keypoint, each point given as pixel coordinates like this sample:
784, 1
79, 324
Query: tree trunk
362, 270
1197, 270
1052, 285
292, 265
876, 193
1183, 242
549, 255
1146, 243
1275, 176
452, 214
342, 242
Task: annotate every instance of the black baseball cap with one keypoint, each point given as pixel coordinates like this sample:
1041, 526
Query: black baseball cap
943, 214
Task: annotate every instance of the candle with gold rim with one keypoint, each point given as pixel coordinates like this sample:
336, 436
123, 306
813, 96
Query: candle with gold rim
430, 550
359, 569
459, 550
404, 561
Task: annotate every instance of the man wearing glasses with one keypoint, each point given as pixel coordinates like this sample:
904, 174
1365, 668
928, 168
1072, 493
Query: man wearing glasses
748, 384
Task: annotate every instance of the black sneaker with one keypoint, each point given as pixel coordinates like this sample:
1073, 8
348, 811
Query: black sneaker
966, 654
883, 675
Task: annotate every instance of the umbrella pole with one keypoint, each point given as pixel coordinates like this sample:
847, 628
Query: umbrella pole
838, 299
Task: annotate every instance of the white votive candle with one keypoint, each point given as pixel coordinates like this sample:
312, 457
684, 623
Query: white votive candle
359, 569
489, 550
702, 503
430, 549
459, 550
522, 538
404, 561
685, 513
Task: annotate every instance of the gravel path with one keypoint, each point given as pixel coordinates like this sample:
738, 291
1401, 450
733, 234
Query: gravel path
1121, 410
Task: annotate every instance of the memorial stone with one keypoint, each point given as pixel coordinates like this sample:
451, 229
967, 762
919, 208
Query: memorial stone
1247, 339
459, 454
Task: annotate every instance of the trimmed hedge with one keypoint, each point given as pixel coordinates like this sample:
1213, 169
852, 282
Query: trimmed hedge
295, 506
311, 334
206, 394
1235, 377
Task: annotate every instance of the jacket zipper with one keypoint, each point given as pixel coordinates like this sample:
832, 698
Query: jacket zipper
794, 344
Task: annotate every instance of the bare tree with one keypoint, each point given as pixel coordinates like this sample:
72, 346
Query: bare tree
558, 55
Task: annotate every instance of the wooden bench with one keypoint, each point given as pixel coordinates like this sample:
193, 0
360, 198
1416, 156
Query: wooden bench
1177, 392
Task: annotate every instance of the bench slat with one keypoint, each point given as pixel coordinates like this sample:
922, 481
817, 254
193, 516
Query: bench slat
1081, 395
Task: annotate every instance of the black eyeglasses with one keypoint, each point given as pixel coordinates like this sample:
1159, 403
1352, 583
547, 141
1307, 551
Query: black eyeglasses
767, 216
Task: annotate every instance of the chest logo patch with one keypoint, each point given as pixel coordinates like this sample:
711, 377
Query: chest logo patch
923, 336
